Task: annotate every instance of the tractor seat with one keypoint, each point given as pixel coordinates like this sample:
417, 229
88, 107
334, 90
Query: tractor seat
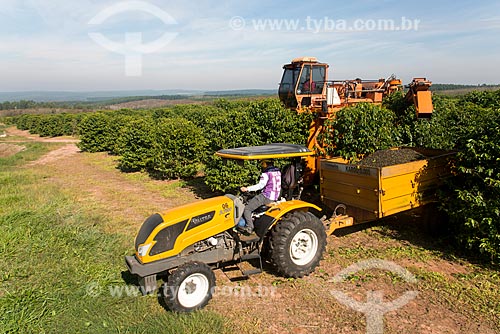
261, 209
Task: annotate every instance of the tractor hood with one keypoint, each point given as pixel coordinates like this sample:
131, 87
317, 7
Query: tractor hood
166, 234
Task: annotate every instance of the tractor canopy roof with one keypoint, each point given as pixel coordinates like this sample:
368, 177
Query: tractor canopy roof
269, 151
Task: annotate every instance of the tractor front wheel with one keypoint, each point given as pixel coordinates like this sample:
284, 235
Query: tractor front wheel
297, 243
189, 287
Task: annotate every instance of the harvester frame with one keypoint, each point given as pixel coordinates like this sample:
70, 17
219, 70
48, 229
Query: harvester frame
305, 87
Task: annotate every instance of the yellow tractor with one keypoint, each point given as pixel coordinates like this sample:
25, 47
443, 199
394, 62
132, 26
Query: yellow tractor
181, 246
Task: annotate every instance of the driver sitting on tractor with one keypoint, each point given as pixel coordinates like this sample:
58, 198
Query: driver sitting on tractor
270, 183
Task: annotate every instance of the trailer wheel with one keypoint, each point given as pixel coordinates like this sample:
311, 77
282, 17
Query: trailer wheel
297, 243
189, 287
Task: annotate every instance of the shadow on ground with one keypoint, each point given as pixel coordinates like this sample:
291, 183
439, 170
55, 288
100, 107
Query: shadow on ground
426, 227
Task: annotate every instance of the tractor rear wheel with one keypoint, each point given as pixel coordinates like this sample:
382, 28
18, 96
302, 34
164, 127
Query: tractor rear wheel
297, 243
189, 287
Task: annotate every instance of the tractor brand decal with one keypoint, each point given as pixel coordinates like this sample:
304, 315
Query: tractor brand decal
226, 208
200, 220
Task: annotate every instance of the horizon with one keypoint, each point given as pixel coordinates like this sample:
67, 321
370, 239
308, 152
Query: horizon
107, 46
189, 91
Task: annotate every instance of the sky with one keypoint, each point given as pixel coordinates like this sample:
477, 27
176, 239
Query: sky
90, 45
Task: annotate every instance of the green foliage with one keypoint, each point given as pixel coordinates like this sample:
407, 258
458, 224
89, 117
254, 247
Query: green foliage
228, 175
180, 141
48, 125
429, 133
470, 125
22, 104
474, 202
485, 99
448, 128
244, 124
361, 129
276, 124
95, 131
178, 149
99, 131
165, 147
135, 145
450, 87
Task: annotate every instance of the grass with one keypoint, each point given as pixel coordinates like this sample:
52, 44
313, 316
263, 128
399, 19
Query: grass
475, 292
468, 287
54, 257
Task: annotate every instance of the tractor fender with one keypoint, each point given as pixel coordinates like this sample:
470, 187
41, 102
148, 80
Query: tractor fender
275, 212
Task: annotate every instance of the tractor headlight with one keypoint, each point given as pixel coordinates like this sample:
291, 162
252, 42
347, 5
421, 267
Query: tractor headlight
143, 250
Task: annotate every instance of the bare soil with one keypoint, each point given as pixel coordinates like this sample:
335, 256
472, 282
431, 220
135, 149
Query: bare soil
60, 153
268, 303
7, 150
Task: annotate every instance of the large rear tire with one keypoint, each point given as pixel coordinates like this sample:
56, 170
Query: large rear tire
297, 244
189, 287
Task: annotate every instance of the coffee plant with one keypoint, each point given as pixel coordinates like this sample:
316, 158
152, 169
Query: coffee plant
358, 130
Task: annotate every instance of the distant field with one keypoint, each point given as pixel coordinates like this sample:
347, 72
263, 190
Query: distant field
144, 102
41, 111
159, 103
457, 90
19, 107
152, 103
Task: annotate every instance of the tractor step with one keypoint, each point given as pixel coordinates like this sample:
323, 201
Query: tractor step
226, 269
255, 255
251, 256
242, 266
251, 272
249, 238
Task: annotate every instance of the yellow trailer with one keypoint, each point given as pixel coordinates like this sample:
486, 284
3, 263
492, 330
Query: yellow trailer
361, 193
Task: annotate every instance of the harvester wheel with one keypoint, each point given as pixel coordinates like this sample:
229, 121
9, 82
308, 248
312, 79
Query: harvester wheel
297, 244
189, 287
